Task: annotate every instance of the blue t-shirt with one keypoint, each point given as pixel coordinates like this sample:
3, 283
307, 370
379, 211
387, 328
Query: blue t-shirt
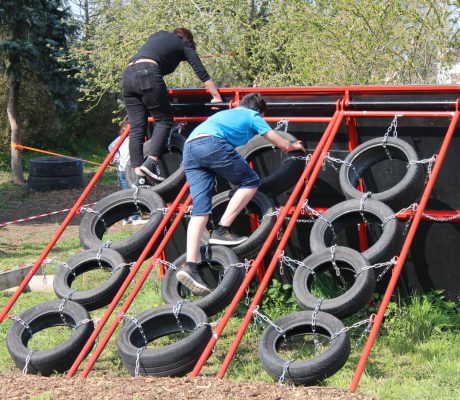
237, 126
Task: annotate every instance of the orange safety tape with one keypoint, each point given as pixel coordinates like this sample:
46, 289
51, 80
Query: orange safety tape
20, 146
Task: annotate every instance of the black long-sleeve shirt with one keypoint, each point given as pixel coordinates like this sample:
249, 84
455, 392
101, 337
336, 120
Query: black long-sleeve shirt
168, 50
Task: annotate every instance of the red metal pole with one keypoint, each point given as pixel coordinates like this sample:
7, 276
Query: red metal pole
57, 235
258, 296
250, 274
126, 283
135, 290
404, 251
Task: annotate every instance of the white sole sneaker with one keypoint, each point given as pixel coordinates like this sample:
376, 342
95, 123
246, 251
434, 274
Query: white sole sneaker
191, 284
227, 242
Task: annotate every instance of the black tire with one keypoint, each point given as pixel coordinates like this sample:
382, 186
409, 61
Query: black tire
371, 152
54, 166
315, 369
260, 205
47, 183
114, 208
222, 294
286, 175
172, 360
174, 179
347, 303
85, 261
47, 315
346, 214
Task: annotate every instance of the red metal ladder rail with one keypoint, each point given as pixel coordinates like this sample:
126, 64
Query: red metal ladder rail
254, 267
62, 227
410, 235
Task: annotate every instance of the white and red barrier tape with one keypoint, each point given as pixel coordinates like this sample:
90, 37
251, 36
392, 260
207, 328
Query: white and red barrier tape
42, 215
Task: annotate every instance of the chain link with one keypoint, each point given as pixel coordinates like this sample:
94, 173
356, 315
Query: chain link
312, 211
99, 215
287, 260
138, 325
84, 321
446, 219
62, 303
282, 122
386, 265
332, 161
354, 326
167, 264
300, 158
176, 312
29, 356
138, 361
283, 373
65, 265
412, 207
364, 197
393, 127
23, 323
430, 161
259, 317
104, 245
313, 325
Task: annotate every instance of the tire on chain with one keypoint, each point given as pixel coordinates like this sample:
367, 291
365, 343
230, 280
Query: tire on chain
175, 180
83, 262
260, 205
371, 152
346, 214
286, 175
350, 263
315, 369
47, 315
114, 208
217, 260
175, 359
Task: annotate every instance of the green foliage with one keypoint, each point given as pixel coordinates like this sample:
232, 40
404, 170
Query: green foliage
279, 300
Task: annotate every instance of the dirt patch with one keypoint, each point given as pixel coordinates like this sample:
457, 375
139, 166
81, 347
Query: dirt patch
20, 386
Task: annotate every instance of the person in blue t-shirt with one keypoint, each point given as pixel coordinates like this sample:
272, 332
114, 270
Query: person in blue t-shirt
210, 151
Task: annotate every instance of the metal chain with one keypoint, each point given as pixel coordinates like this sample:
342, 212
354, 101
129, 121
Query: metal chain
167, 264
65, 265
23, 323
138, 361
282, 122
387, 265
176, 312
104, 245
347, 328
283, 373
430, 161
259, 317
272, 214
138, 325
99, 215
62, 303
29, 356
446, 219
393, 127
287, 260
364, 197
247, 265
84, 321
366, 330
332, 161
336, 268
300, 158
320, 216
119, 266
412, 207
313, 325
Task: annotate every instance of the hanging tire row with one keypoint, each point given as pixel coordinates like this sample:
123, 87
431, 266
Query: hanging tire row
223, 271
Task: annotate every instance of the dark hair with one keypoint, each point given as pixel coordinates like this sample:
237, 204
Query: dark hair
186, 36
255, 102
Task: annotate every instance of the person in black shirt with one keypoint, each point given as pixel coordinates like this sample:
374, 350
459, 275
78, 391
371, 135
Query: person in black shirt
144, 93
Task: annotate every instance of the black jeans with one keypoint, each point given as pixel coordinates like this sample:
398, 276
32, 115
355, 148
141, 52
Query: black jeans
144, 93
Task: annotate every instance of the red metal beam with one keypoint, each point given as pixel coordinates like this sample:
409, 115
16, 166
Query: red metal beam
62, 227
250, 274
404, 251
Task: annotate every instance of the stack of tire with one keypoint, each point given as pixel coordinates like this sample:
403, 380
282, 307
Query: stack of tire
377, 210
54, 173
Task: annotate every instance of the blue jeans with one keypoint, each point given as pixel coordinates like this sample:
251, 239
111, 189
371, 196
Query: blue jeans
206, 157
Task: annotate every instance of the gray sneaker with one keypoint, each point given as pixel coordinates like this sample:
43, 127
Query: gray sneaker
152, 168
191, 279
226, 239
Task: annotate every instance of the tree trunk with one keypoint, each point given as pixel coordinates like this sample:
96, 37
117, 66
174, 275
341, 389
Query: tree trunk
13, 118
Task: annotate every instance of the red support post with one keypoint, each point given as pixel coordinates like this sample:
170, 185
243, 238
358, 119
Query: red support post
135, 291
251, 272
62, 227
89, 344
404, 251
258, 296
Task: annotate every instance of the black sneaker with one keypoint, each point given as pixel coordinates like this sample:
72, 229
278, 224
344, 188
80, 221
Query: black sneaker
226, 239
152, 168
191, 279
141, 181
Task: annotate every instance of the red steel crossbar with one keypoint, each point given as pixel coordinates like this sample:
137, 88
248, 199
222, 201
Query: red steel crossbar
62, 227
405, 250
251, 272
130, 277
137, 287
260, 291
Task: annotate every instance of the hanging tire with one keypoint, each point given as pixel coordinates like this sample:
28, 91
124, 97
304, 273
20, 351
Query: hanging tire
83, 262
212, 265
371, 152
286, 175
175, 359
47, 315
174, 174
346, 214
312, 370
54, 166
260, 205
114, 208
351, 264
